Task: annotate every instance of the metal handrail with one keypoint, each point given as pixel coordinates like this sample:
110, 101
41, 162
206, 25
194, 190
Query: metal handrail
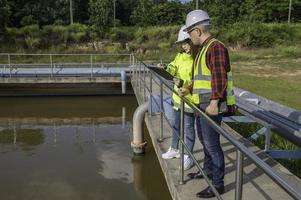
52, 65
65, 54
241, 151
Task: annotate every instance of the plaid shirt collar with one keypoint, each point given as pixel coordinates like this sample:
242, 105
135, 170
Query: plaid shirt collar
206, 41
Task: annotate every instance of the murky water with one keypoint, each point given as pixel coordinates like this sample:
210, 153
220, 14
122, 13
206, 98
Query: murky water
73, 148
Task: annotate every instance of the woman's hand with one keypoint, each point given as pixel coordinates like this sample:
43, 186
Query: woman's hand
161, 65
183, 91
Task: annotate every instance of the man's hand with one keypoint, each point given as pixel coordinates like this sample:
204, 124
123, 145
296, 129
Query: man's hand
212, 109
183, 92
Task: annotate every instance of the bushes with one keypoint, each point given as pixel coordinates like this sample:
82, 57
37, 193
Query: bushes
123, 34
240, 34
33, 37
63, 35
246, 34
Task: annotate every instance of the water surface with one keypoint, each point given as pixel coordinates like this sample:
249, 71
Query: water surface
74, 148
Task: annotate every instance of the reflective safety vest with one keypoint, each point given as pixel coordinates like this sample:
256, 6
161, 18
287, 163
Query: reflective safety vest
181, 68
202, 77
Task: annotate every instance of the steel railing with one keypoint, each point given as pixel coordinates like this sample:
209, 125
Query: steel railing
52, 63
139, 79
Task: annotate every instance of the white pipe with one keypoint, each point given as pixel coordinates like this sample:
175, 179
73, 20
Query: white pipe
123, 82
138, 144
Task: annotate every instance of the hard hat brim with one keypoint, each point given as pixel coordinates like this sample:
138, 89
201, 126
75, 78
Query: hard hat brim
205, 23
182, 41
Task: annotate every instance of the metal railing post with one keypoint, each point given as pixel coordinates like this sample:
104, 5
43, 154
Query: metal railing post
131, 65
181, 143
239, 175
144, 84
15, 134
91, 64
139, 77
161, 112
151, 92
51, 64
9, 64
130, 60
94, 133
54, 133
134, 71
267, 138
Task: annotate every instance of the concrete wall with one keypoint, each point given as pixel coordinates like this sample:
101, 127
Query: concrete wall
35, 86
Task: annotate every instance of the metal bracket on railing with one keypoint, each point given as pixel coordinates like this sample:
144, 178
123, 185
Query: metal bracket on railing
260, 133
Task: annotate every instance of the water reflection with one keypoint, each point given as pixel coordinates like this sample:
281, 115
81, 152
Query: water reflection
116, 162
25, 139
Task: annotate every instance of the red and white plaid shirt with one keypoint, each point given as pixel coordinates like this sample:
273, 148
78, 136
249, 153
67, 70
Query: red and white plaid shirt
218, 62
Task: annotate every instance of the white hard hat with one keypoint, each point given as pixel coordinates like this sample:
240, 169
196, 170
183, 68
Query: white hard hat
182, 35
195, 17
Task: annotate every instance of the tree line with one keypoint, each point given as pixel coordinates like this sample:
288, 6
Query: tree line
42, 24
100, 13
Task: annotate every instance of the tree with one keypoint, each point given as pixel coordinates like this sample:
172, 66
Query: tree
169, 13
101, 17
44, 12
141, 15
124, 9
81, 11
222, 12
255, 10
4, 15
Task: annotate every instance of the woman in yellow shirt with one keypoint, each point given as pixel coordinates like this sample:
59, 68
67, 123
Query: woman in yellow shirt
181, 68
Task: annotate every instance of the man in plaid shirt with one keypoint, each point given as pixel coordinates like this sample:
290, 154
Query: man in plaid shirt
213, 79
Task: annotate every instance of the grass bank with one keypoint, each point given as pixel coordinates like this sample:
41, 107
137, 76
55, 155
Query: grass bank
274, 73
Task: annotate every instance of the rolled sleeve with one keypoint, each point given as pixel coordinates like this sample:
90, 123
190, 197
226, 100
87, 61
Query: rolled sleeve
219, 64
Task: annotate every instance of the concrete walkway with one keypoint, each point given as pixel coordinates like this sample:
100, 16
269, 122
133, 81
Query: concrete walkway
256, 185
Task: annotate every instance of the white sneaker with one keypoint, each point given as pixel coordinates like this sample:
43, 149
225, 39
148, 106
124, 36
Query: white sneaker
171, 153
188, 162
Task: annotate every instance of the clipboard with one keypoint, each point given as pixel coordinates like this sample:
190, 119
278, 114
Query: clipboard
161, 72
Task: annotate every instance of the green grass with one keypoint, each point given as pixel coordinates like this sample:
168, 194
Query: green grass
269, 54
271, 73
287, 92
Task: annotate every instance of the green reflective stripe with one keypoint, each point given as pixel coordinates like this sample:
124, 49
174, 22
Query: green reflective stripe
229, 78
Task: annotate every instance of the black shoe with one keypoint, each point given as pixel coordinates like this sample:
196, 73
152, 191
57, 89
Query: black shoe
198, 175
208, 193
